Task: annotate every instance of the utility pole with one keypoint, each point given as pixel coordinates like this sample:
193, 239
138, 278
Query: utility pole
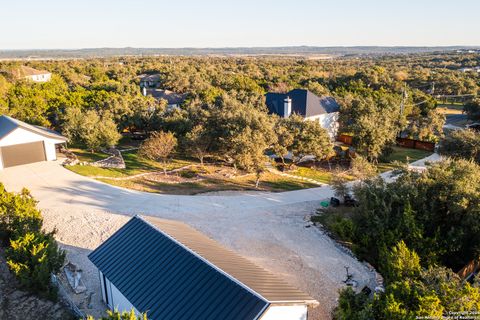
402, 108
404, 98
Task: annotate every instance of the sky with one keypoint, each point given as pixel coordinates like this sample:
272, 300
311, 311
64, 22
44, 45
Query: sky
69, 24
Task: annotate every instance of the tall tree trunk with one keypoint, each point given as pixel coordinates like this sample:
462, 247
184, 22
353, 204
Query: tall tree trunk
257, 180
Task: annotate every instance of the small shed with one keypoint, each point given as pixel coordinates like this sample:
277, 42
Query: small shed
171, 271
22, 143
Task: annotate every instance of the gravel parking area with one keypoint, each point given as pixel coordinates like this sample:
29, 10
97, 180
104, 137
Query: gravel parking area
270, 229
274, 238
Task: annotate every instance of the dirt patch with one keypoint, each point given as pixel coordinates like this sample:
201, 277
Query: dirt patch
17, 304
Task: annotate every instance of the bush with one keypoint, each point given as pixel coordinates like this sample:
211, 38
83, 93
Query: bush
343, 228
115, 315
32, 258
18, 214
32, 255
352, 306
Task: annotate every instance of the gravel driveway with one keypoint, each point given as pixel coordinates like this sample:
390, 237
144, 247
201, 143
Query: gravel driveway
268, 228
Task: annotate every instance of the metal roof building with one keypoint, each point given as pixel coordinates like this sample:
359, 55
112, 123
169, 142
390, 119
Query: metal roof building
172, 271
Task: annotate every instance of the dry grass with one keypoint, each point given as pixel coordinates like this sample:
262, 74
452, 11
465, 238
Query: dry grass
209, 179
447, 109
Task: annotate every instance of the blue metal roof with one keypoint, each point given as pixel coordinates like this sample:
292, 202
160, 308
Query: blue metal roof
162, 277
304, 103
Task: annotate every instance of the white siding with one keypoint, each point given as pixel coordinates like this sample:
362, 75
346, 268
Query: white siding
117, 301
20, 135
329, 121
285, 313
50, 151
40, 77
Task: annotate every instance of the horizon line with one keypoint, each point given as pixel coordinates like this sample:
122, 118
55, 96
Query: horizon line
253, 47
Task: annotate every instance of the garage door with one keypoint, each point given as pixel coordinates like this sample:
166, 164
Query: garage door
23, 154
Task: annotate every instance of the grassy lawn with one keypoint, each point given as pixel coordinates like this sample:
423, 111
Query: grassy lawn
213, 183
134, 165
401, 154
450, 108
193, 180
319, 175
87, 156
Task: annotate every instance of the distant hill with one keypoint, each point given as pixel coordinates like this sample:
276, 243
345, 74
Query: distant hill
299, 50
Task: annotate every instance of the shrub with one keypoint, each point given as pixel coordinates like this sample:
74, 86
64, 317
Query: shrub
18, 214
32, 255
115, 315
32, 258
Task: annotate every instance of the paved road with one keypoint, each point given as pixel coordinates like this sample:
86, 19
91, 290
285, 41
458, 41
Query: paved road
455, 120
56, 187
268, 228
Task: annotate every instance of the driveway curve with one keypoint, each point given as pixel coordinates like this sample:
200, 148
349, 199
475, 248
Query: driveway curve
268, 228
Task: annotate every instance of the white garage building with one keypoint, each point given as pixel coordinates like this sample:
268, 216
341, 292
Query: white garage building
173, 272
22, 143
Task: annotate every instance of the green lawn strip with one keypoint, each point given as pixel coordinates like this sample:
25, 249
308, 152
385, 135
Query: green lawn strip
134, 165
401, 154
322, 176
87, 156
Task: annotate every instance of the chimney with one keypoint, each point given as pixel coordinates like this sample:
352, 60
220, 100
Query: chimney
287, 107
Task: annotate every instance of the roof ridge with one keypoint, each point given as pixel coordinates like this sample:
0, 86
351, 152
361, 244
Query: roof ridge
40, 130
218, 269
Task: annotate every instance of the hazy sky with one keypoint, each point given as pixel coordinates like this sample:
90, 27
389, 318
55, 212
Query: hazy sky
30, 24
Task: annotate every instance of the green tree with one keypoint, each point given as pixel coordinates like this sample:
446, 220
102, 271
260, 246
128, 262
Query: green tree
374, 120
427, 127
461, 144
158, 147
198, 142
309, 138
472, 109
90, 129
285, 139
241, 134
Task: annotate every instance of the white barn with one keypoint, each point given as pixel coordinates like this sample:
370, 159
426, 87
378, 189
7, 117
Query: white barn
22, 143
173, 272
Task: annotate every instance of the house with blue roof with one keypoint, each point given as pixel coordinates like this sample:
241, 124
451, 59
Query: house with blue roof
173, 272
323, 109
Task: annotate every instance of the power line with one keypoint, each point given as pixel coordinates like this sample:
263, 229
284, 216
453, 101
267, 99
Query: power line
416, 104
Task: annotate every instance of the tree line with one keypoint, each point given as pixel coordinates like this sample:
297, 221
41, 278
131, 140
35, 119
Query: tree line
92, 100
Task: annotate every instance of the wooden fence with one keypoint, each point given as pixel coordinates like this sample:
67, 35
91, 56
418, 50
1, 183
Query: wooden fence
348, 140
416, 144
402, 142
